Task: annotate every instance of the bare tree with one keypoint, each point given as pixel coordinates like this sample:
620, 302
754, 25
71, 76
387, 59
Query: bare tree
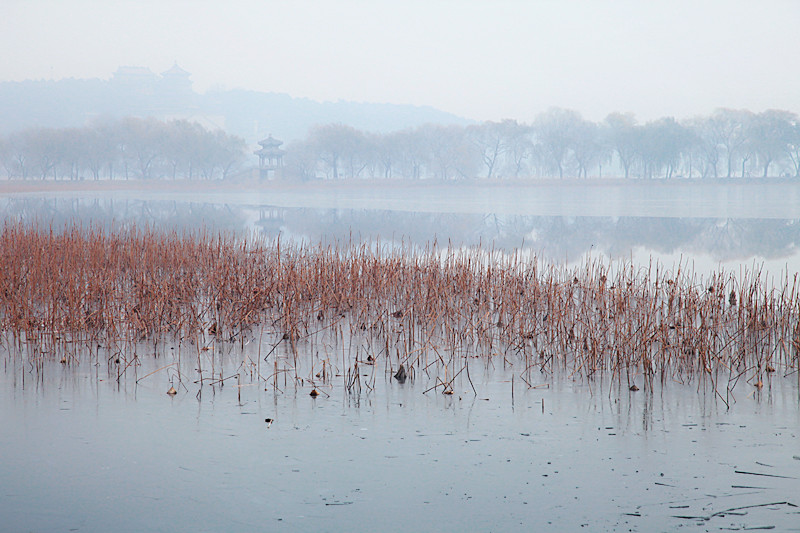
793, 148
556, 131
662, 144
451, 154
587, 147
729, 129
519, 146
770, 134
336, 143
301, 160
622, 135
145, 140
489, 139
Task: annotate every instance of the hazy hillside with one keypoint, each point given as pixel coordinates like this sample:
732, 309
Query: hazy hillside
249, 114
253, 114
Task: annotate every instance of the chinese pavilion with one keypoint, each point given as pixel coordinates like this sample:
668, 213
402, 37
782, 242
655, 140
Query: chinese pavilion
270, 158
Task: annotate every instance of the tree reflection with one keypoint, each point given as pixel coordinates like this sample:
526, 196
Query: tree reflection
558, 238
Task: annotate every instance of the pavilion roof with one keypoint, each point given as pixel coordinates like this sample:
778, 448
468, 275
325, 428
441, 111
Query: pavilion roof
270, 142
175, 70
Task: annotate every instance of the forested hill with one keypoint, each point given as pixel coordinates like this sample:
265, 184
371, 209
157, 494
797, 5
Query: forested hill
291, 118
248, 114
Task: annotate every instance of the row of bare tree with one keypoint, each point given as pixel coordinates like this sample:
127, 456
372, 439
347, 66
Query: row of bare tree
123, 149
559, 143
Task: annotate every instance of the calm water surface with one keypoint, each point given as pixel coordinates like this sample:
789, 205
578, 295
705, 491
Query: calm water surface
709, 226
82, 452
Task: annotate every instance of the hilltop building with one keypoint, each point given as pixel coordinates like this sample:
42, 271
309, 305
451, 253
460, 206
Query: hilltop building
168, 93
175, 88
166, 96
137, 80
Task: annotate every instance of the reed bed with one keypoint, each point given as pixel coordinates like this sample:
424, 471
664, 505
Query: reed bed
314, 314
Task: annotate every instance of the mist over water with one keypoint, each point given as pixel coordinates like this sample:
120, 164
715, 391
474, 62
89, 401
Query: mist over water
710, 228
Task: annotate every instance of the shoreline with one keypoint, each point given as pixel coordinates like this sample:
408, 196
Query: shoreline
20, 186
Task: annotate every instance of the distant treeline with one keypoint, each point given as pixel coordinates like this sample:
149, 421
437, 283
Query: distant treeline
122, 149
559, 143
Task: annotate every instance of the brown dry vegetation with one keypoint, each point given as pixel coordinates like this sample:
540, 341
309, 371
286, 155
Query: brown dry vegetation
79, 290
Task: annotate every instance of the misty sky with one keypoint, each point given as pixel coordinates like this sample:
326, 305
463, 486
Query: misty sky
483, 60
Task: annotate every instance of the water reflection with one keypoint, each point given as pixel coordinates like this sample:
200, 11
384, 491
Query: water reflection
558, 238
568, 454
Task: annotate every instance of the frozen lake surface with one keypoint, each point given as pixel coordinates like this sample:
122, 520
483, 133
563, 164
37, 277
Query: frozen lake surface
82, 452
87, 454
